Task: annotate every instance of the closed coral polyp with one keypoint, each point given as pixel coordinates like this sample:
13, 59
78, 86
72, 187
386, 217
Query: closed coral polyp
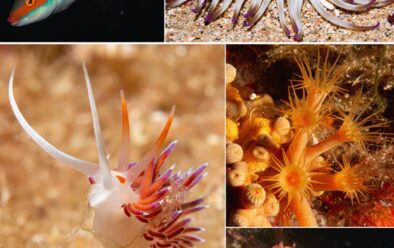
253, 196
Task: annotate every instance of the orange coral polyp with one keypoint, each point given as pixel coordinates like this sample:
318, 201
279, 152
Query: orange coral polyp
324, 80
323, 146
294, 179
345, 180
305, 119
304, 115
349, 131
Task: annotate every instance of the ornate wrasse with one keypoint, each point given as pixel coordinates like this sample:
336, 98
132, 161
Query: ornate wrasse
28, 11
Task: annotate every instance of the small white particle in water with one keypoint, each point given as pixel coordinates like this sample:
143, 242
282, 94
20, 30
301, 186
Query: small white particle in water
128, 51
38, 239
252, 96
387, 87
159, 116
181, 51
213, 139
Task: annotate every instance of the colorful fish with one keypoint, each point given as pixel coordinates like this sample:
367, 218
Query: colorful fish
136, 204
26, 12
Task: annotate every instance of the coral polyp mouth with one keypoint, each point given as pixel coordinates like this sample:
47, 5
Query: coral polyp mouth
304, 119
292, 181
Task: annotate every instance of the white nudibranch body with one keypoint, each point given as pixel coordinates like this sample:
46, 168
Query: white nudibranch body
133, 204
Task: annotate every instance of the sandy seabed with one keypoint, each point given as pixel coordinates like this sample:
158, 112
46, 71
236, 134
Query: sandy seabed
42, 202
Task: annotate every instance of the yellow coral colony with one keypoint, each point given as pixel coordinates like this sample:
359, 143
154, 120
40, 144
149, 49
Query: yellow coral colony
273, 168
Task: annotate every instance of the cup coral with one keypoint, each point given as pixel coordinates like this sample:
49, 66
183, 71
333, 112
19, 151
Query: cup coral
138, 203
285, 159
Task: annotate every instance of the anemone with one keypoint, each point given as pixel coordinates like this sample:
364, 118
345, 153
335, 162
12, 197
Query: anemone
215, 8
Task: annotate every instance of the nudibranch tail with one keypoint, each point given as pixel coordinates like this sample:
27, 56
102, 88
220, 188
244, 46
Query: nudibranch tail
85, 167
125, 143
103, 161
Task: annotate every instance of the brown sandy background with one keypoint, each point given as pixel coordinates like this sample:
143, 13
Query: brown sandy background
41, 200
181, 26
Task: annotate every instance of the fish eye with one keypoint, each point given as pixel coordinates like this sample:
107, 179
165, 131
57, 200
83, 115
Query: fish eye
30, 2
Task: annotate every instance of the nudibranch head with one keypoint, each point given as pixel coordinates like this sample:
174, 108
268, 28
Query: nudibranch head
26, 12
135, 203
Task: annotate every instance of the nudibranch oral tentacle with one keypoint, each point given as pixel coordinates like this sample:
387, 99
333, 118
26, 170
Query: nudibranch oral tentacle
85, 167
134, 204
26, 12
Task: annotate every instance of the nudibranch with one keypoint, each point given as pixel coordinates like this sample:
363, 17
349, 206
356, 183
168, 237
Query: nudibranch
136, 204
26, 12
216, 8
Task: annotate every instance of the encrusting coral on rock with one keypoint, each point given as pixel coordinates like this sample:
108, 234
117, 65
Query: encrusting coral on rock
276, 157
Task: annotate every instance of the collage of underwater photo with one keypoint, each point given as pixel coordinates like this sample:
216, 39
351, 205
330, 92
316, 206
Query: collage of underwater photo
197, 123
